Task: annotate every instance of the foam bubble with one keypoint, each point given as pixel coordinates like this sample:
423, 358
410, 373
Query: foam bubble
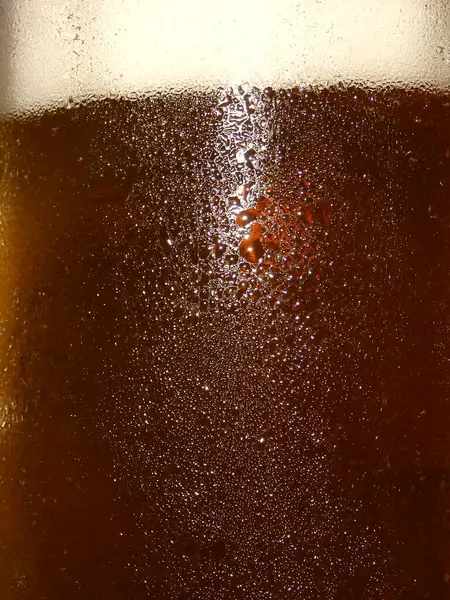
58, 50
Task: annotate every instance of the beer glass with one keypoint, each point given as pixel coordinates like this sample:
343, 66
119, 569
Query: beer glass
224, 326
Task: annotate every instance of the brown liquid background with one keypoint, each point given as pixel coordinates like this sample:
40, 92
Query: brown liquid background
104, 417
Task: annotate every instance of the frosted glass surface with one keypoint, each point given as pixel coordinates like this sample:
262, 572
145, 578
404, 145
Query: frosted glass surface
62, 49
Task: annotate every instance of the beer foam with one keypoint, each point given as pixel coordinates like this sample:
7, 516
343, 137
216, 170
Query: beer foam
58, 50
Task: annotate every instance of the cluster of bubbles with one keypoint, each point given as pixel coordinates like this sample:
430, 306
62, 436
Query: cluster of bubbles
223, 255
265, 238
271, 248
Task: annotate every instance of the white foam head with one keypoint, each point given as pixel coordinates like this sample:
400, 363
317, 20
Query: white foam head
62, 49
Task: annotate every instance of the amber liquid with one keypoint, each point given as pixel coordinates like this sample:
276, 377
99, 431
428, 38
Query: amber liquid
224, 341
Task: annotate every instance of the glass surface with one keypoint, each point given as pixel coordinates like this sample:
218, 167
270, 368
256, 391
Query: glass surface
224, 288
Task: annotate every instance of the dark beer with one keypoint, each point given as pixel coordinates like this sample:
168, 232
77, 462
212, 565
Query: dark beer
225, 347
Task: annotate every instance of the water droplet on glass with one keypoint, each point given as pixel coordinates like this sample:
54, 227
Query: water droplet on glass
231, 259
251, 248
246, 217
